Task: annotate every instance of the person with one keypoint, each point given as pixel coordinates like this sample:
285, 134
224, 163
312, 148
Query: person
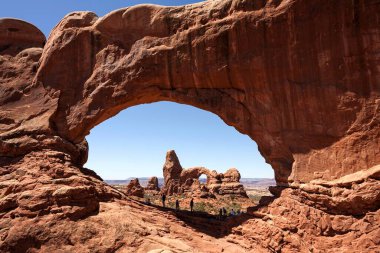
163, 199
191, 204
220, 213
224, 212
232, 213
147, 201
177, 205
238, 212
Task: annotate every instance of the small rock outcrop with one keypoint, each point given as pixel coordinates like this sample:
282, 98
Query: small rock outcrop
231, 183
172, 172
152, 184
179, 180
135, 189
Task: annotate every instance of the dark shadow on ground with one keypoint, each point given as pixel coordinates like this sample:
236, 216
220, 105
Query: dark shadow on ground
213, 225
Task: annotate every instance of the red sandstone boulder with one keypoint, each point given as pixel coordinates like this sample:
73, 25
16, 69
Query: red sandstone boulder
231, 184
134, 188
152, 184
231, 176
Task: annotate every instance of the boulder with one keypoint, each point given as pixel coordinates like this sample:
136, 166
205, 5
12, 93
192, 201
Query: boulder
152, 184
134, 188
231, 184
231, 176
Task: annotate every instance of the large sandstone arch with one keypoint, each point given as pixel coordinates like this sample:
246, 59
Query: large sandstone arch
300, 77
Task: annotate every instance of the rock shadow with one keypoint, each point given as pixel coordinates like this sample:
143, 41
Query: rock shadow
214, 225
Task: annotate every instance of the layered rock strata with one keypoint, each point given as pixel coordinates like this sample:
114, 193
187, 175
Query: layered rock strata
299, 77
187, 181
152, 184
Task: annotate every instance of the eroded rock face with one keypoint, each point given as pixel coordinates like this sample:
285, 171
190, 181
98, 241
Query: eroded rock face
152, 184
186, 181
17, 35
172, 172
310, 104
301, 78
134, 188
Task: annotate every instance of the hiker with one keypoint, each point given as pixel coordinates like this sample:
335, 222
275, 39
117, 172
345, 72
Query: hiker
191, 204
147, 201
238, 212
177, 205
163, 199
232, 213
224, 212
220, 213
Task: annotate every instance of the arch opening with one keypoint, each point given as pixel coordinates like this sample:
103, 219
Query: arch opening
133, 145
186, 129
203, 179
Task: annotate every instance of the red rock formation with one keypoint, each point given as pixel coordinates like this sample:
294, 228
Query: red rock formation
301, 78
134, 188
152, 184
259, 83
231, 184
18, 35
178, 180
172, 171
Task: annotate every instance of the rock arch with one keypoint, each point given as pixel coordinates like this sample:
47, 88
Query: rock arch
299, 77
307, 114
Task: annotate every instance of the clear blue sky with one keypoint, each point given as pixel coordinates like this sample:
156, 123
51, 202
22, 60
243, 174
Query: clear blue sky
134, 143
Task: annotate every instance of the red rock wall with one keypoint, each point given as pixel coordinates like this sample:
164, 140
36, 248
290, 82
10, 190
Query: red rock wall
301, 78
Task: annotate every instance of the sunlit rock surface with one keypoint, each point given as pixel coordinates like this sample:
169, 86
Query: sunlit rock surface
187, 181
152, 184
301, 78
134, 188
